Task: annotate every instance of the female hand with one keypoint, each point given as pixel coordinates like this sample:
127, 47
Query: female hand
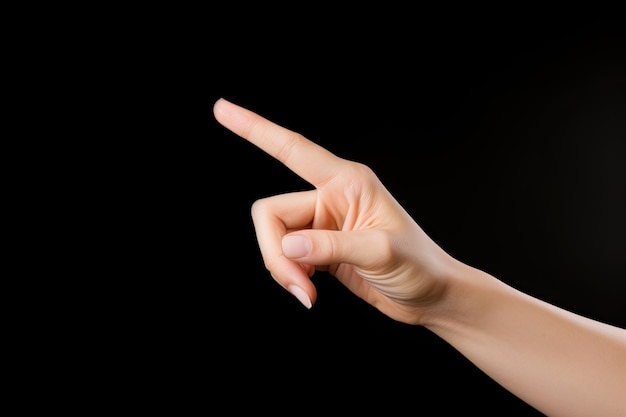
351, 226
348, 224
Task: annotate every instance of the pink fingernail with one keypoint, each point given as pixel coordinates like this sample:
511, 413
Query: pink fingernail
296, 246
300, 295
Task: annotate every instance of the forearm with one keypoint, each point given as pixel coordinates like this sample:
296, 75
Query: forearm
559, 362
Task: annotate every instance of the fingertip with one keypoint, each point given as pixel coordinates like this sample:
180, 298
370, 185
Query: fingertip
301, 295
298, 289
218, 106
235, 118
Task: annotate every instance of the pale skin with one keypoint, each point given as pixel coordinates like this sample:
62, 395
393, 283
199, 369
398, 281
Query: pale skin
348, 224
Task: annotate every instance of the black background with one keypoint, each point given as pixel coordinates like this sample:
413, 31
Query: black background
504, 138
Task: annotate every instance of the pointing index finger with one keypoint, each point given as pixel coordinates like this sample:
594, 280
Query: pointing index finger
313, 163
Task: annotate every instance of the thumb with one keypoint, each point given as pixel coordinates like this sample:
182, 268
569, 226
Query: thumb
362, 248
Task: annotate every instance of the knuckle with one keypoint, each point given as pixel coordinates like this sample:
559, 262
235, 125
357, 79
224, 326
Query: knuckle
260, 208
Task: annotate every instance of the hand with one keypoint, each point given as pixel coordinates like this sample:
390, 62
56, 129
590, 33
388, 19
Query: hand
348, 224
352, 227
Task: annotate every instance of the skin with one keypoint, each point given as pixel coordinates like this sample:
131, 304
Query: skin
561, 363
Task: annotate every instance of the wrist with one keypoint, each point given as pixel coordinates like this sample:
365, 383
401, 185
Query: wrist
466, 297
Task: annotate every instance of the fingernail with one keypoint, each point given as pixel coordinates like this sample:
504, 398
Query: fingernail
296, 246
300, 295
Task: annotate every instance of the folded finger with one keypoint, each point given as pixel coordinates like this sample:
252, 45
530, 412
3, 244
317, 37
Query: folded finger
273, 217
